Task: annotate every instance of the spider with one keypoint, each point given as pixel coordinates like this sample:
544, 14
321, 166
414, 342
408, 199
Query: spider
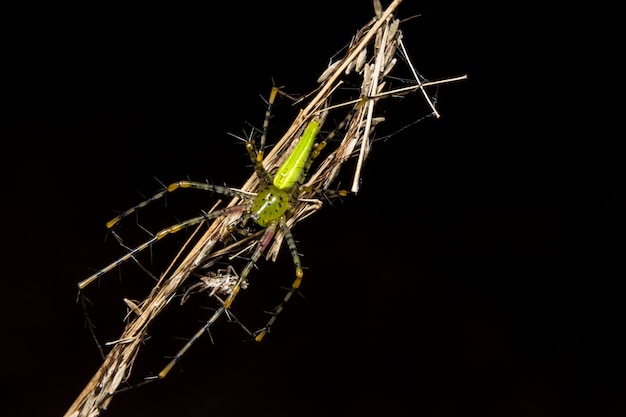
269, 209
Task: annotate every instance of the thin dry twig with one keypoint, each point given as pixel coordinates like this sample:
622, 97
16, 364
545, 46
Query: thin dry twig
380, 38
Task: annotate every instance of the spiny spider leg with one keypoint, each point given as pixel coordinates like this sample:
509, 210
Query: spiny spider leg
170, 188
262, 244
270, 103
260, 334
205, 328
158, 236
257, 156
190, 342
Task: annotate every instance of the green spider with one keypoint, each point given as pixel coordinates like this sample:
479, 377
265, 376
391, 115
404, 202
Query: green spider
269, 209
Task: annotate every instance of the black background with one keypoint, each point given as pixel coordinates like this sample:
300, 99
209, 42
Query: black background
478, 272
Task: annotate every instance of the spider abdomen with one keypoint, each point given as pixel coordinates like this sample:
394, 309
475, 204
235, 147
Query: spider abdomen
292, 169
269, 205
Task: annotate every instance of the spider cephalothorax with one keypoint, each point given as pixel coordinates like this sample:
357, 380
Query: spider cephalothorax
269, 205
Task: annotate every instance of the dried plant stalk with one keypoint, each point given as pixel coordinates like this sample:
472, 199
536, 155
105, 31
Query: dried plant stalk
381, 38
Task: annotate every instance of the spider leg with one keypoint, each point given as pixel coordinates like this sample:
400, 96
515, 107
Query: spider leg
228, 273
172, 229
266, 122
205, 328
172, 187
158, 236
265, 240
260, 334
190, 342
257, 156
